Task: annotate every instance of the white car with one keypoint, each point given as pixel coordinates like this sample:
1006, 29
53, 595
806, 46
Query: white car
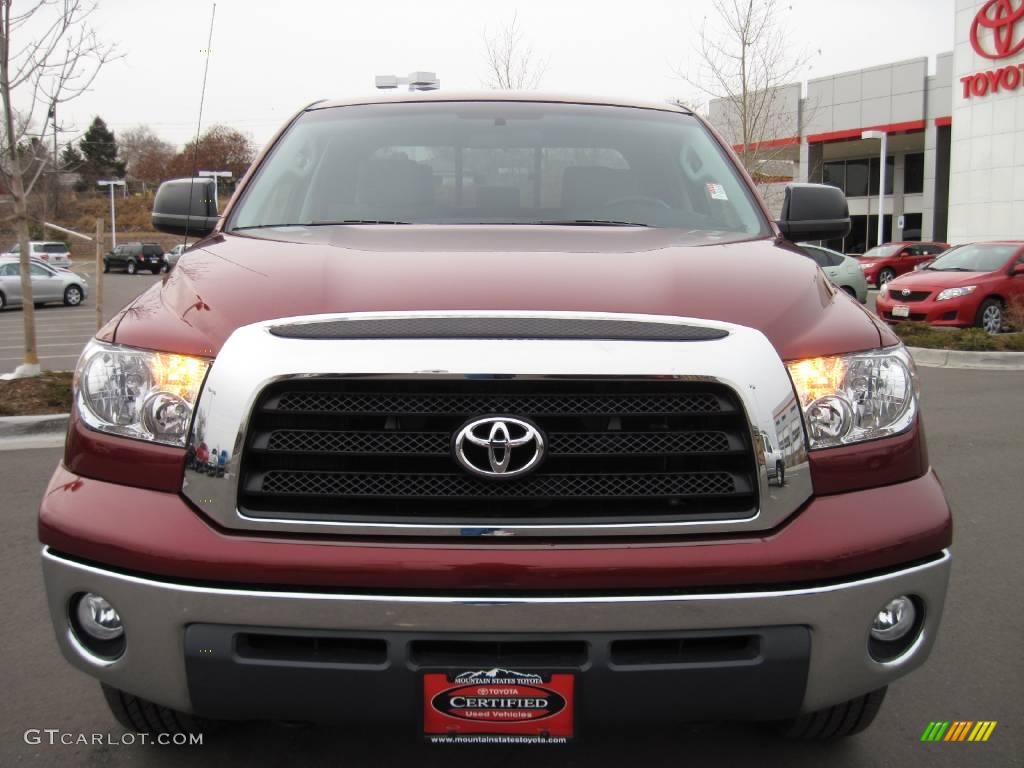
53, 252
48, 284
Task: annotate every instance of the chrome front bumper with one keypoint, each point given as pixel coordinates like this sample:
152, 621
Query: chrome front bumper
155, 614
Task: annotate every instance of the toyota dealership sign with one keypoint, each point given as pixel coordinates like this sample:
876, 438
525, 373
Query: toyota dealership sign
997, 33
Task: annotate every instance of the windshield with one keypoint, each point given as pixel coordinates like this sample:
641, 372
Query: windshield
980, 257
53, 248
881, 251
499, 163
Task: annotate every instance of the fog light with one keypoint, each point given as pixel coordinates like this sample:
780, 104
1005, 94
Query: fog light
895, 619
98, 619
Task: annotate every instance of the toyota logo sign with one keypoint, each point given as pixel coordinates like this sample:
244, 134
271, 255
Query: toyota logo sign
1002, 17
499, 446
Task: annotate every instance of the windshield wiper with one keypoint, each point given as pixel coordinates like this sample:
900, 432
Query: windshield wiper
954, 269
319, 224
589, 223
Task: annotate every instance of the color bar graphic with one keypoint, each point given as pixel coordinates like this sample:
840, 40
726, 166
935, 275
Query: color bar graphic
958, 730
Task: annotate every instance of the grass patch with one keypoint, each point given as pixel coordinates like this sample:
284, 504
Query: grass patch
49, 393
968, 339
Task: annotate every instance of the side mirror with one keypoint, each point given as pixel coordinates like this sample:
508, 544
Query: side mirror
185, 207
1017, 269
814, 212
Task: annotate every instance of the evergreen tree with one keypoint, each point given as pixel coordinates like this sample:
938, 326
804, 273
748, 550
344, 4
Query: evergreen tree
99, 156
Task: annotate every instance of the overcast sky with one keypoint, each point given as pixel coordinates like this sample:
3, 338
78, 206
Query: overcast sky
270, 58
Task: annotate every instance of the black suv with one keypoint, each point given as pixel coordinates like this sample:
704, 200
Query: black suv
133, 257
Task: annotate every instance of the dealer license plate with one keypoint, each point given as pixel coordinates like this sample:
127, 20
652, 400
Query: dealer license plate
900, 311
497, 706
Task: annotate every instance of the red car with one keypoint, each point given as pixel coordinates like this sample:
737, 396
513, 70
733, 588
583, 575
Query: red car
968, 285
495, 419
884, 262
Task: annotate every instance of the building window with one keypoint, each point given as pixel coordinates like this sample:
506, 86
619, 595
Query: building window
913, 174
911, 226
890, 169
834, 174
856, 178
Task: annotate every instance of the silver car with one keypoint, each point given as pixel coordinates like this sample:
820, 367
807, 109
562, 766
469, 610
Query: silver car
842, 270
49, 285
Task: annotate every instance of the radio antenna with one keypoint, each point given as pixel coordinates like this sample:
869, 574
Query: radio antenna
199, 122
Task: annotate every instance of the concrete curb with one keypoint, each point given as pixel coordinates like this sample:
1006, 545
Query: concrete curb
978, 361
33, 426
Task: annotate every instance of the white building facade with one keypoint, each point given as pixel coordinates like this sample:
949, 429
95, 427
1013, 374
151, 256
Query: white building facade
955, 136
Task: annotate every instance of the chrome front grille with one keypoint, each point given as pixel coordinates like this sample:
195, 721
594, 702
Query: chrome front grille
381, 450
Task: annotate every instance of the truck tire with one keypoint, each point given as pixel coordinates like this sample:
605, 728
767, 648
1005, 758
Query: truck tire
143, 716
835, 722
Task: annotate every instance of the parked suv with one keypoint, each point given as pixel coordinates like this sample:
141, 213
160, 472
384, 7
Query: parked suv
53, 252
884, 262
135, 257
495, 418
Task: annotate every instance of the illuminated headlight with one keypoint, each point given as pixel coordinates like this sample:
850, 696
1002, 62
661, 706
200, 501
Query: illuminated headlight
850, 398
138, 393
955, 293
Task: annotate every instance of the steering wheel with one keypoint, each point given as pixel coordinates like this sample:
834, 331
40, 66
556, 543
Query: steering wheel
639, 199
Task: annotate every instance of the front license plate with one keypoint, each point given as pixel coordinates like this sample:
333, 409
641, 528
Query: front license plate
900, 311
497, 706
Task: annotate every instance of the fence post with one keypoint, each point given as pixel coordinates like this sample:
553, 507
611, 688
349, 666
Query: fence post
99, 274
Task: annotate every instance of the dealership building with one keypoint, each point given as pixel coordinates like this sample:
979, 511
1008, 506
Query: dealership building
954, 135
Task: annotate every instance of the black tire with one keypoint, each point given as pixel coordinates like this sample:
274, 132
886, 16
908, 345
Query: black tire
885, 276
131, 269
780, 473
143, 716
106, 266
72, 296
990, 316
3, 301
836, 722
38, 304
849, 290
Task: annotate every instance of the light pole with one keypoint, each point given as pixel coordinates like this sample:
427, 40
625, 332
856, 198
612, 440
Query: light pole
216, 175
113, 221
881, 179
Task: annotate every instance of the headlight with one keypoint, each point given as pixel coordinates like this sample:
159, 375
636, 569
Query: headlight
884, 289
138, 393
954, 293
850, 398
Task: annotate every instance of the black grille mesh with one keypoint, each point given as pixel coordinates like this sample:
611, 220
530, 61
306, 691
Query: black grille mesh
380, 450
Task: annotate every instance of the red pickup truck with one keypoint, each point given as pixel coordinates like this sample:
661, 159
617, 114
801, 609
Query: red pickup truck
496, 417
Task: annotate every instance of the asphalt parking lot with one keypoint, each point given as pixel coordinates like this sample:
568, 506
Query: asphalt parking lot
974, 426
62, 331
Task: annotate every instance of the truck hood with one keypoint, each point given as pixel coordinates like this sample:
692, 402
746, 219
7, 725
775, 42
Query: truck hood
231, 280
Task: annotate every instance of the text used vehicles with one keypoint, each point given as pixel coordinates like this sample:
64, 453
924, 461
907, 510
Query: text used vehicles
884, 262
968, 285
426, 432
844, 271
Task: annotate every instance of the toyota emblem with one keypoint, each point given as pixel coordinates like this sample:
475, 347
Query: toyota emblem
905, 292
1001, 17
499, 446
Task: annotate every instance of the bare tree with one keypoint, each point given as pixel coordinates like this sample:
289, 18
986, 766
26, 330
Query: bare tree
511, 62
147, 155
49, 55
745, 60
